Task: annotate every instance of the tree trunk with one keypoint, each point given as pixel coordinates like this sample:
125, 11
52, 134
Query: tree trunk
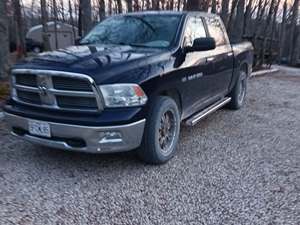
4, 43
224, 11
119, 5
136, 6
46, 42
72, 21
272, 34
196, 5
86, 15
266, 29
129, 5
231, 15
178, 5
101, 9
294, 35
19, 21
247, 17
237, 33
55, 23
214, 6
282, 31
155, 4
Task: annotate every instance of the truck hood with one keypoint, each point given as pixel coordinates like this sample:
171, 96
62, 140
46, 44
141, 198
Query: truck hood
99, 61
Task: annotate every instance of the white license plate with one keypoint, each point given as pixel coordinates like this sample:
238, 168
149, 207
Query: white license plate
39, 128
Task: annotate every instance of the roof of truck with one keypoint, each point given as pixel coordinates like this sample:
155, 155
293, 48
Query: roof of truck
168, 12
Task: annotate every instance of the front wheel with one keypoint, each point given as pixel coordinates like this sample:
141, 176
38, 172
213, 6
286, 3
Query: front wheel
238, 92
161, 132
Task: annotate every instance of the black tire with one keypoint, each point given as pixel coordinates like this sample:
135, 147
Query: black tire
238, 93
161, 132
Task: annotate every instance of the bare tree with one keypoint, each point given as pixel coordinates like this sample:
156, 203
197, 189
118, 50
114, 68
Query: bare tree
294, 52
85, 15
247, 18
129, 5
273, 27
237, 32
44, 13
72, 20
214, 6
266, 28
224, 11
155, 4
200, 5
4, 43
101, 4
231, 15
119, 6
55, 23
62, 10
282, 30
20, 26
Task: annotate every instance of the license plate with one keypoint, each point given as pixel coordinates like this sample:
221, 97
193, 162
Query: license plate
39, 128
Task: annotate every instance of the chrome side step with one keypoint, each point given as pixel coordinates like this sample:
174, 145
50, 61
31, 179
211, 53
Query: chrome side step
212, 108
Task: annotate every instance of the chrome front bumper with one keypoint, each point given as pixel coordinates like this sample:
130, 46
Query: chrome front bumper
92, 139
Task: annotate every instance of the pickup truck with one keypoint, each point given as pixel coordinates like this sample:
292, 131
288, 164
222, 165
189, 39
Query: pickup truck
129, 84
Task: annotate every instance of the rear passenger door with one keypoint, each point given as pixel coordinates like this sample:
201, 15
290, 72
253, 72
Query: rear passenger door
221, 57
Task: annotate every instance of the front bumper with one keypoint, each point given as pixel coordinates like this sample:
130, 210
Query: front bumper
82, 138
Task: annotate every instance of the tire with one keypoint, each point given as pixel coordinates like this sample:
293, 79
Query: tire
238, 93
161, 132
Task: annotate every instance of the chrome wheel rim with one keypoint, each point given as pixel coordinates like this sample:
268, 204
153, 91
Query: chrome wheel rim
167, 132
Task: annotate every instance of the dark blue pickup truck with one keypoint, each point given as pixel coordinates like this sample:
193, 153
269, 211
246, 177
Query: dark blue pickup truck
129, 84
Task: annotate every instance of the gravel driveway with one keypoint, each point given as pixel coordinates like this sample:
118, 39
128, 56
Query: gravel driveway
235, 167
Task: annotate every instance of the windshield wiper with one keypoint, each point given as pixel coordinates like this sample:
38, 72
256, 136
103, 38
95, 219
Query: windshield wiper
144, 22
133, 44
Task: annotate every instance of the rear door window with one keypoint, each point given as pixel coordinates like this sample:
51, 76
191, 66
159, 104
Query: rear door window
216, 31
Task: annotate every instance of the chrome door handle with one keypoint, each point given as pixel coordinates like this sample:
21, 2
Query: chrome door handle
230, 54
210, 59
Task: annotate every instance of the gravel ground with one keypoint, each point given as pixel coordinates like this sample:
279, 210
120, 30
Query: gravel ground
235, 167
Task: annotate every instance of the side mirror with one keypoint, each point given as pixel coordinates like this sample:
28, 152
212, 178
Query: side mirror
202, 44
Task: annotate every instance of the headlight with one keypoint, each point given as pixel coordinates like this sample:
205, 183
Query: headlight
122, 95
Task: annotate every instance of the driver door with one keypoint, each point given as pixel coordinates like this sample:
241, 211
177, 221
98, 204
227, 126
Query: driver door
196, 69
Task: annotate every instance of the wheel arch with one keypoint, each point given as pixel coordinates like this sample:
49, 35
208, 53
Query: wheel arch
175, 95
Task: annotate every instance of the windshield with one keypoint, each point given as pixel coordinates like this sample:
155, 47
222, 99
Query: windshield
156, 31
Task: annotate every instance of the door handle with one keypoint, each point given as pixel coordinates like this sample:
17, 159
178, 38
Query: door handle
230, 54
210, 59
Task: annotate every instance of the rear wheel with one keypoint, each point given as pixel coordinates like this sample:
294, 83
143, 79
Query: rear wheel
161, 132
239, 90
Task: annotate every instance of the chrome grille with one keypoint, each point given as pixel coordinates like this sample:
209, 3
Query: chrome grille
29, 97
26, 79
71, 84
53, 89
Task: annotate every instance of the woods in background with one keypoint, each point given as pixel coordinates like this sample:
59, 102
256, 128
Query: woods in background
271, 25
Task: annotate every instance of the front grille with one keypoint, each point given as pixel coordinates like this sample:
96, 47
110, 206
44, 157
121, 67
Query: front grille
73, 102
71, 84
29, 97
58, 90
26, 80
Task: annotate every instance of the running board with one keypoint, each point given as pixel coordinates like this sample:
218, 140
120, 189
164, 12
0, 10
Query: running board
212, 108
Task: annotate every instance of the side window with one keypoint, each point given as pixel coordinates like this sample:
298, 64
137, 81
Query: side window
194, 29
216, 31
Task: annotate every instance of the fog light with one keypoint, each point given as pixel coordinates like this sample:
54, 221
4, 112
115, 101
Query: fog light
110, 137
